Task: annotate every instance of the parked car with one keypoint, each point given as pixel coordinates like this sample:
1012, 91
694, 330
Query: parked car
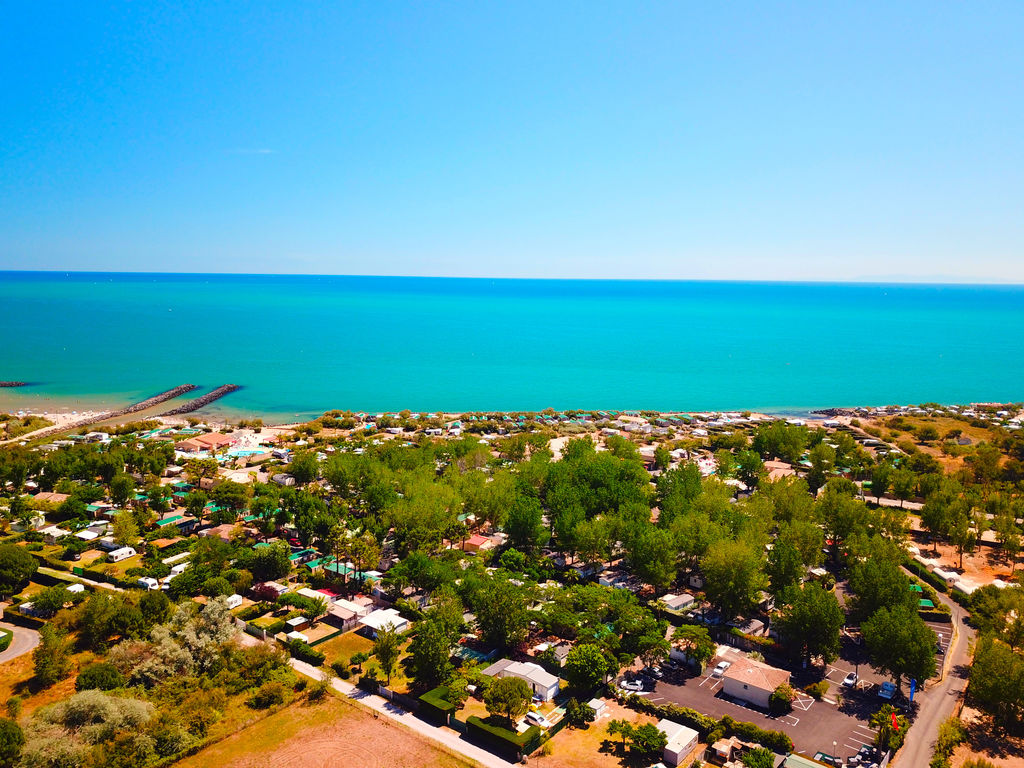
148, 582
631, 685
719, 670
850, 680
654, 672
536, 718
887, 690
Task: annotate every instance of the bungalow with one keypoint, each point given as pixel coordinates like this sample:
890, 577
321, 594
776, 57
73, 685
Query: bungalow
752, 681
477, 543
382, 618
234, 601
543, 684
87, 535
678, 603
212, 442
681, 741
51, 534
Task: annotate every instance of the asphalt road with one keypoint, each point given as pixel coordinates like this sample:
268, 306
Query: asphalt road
942, 696
24, 640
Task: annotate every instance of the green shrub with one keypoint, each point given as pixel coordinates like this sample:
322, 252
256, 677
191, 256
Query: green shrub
817, 690
101, 675
267, 695
305, 652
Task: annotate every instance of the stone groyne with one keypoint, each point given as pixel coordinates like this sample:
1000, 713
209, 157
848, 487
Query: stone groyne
13, 383
142, 405
199, 402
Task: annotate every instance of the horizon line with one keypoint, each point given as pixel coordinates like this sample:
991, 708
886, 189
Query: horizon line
838, 281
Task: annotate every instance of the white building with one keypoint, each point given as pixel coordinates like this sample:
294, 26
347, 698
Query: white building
382, 618
541, 682
681, 742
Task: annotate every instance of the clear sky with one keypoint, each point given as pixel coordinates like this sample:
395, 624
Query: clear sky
807, 141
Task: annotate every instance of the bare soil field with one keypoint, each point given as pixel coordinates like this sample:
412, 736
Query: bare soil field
327, 734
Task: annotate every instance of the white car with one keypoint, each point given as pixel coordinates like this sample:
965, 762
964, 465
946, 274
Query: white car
148, 582
631, 685
719, 670
850, 680
536, 718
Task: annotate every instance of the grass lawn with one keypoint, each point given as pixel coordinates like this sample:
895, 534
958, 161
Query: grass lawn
331, 733
344, 646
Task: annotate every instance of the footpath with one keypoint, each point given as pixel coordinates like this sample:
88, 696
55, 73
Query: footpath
447, 738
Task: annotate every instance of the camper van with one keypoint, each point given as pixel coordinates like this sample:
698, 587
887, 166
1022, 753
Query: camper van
121, 554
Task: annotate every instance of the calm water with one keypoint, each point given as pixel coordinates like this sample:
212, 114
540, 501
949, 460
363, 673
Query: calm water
301, 345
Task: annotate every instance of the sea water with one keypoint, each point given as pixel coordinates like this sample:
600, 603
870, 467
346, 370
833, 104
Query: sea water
300, 345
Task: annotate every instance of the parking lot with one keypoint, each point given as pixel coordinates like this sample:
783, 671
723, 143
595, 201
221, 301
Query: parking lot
813, 725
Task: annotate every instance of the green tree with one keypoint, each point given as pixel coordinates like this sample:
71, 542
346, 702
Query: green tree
16, 567
122, 489
749, 468
784, 568
900, 643
758, 758
811, 624
997, 680
430, 654
501, 613
101, 675
525, 526
732, 577
585, 666
881, 477
878, 583
11, 742
695, 642
269, 563
651, 553
887, 736
578, 714
126, 532
50, 659
647, 740
508, 697
386, 649
304, 467
1008, 535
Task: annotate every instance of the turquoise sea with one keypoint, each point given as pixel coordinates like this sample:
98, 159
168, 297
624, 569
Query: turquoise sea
300, 345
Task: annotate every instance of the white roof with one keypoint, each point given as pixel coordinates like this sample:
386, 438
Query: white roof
297, 636
87, 535
678, 735
381, 618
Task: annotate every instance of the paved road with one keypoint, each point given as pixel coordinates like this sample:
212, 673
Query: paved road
24, 640
448, 738
941, 698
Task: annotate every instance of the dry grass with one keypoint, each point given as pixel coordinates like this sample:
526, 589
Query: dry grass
591, 748
331, 733
344, 646
16, 680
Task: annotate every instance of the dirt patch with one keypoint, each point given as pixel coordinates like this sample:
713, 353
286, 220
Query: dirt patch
1002, 750
329, 734
980, 567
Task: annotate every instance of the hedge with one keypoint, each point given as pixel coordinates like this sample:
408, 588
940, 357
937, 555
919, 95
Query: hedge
434, 705
305, 652
919, 570
5, 639
937, 616
765, 643
777, 741
254, 611
502, 739
14, 616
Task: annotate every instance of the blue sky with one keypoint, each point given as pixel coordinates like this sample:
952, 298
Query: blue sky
807, 141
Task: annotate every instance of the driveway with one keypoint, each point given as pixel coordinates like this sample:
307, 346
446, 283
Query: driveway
24, 640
